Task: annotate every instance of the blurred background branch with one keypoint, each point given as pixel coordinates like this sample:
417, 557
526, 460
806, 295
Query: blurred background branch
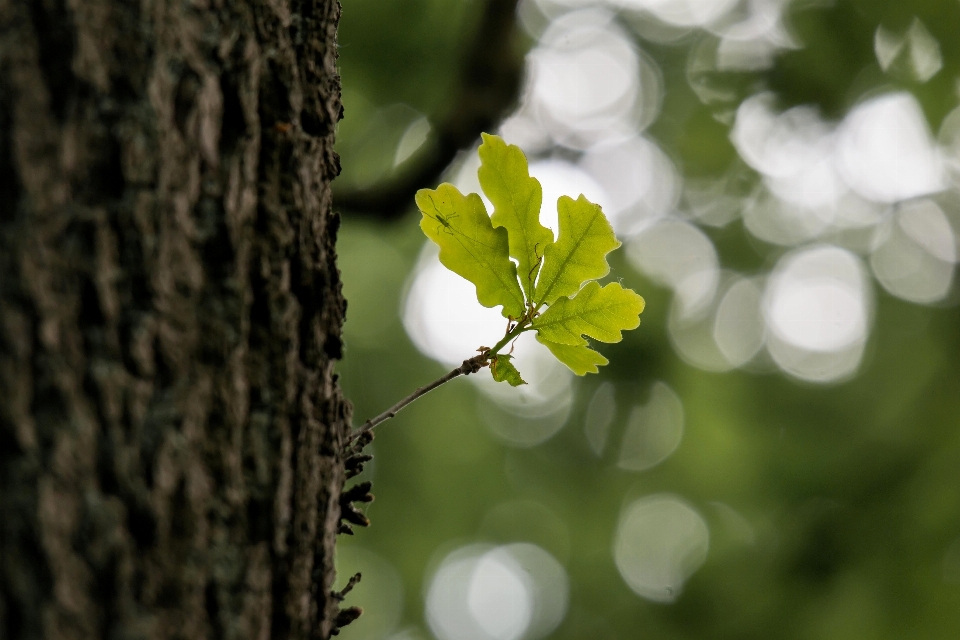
487, 89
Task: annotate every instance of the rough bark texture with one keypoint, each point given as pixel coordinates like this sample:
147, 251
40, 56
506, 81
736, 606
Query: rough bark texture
170, 423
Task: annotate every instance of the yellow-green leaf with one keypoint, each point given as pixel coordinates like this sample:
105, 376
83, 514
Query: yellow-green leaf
580, 359
516, 199
599, 312
470, 246
504, 371
580, 252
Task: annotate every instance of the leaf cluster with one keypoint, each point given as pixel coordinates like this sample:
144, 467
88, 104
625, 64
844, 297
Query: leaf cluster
544, 284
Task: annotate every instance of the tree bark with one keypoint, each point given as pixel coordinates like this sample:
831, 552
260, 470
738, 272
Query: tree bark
171, 429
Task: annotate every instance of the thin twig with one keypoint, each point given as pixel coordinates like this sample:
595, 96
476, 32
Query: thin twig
471, 365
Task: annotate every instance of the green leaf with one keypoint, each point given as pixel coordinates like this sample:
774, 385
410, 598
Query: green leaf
516, 199
580, 359
579, 254
470, 246
504, 371
601, 313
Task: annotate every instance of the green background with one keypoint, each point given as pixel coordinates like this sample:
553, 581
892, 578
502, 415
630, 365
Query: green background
846, 495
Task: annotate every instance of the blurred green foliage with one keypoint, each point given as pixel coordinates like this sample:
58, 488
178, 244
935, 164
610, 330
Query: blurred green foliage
846, 496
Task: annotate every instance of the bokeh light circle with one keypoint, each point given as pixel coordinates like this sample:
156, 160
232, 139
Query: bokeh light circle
916, 260
640, 181
678, 255
818, 308
508, 592
885, 151
587, 82
653, 431
562, 178
738, 326
723, 332
660, 542
682, 13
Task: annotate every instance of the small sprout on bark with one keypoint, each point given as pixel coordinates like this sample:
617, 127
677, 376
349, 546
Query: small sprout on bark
345, 617
353, 515
348, 615
340, 595
359, 492
354, 464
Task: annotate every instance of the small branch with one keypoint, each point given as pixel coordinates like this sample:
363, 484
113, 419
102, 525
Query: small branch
471, 365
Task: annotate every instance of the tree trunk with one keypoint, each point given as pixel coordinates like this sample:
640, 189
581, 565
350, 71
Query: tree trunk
171, 427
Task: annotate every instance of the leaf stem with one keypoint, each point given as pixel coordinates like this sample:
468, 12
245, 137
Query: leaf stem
470, 365
517, 330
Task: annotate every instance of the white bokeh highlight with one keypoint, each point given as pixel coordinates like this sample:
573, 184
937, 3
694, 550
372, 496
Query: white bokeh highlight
864, 183
818, 307
794, 152
678, 255
695, 336
681, 13
738, 326
660, 542
498, 598
885, 151
914, 53
916, 260
792, 149
653, 431
640, 183
413, 138
563, 178
587, 83
820, 178
509, 592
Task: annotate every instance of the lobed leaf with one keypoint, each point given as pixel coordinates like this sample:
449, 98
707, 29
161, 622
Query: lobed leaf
580, 252
599, 312
578, 358
516, 199
504, 371
470, 246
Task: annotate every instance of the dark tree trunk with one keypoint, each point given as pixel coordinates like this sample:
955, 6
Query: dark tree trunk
170, 313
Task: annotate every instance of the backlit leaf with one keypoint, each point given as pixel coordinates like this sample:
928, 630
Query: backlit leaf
470, 246
580, 252
580, 359
601, 313
516, 199
504, 371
